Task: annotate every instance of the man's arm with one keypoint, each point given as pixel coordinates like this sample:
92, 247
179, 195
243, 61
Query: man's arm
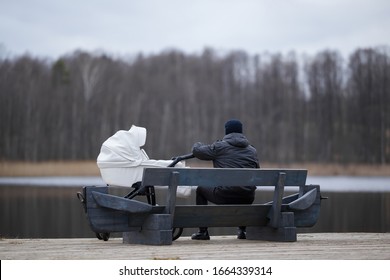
203, 151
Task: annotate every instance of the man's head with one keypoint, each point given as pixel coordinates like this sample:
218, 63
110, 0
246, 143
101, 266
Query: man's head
233, 126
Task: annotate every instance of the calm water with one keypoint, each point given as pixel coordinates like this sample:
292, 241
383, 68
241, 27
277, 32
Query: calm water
327, 183
47, 207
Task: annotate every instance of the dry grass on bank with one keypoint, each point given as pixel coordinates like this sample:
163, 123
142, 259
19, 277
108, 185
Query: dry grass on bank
49, 168
333, 169
89, 168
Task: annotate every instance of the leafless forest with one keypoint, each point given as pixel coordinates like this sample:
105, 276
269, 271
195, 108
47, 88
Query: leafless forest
320, 108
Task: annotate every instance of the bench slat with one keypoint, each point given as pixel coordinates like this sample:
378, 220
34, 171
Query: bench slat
220, 215
223, 176
120, 203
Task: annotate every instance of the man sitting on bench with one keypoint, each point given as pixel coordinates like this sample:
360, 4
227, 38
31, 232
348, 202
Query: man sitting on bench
233, 151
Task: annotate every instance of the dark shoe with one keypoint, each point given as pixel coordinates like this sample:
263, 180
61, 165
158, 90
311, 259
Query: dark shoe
201, 235
241, 234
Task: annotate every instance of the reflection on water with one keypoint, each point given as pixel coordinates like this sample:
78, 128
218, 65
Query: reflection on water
48, 207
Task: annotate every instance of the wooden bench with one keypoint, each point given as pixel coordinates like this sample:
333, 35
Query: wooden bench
142, 223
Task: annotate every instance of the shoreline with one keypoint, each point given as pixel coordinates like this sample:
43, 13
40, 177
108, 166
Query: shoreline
90, 168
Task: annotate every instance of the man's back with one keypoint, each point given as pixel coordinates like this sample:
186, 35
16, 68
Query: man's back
233, 151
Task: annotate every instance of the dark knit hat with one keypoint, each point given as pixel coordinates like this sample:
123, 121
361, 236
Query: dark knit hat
233, 126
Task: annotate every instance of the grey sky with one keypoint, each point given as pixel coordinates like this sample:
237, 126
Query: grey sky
48, 28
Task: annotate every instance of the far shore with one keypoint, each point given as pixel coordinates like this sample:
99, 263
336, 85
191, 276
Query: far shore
90, 168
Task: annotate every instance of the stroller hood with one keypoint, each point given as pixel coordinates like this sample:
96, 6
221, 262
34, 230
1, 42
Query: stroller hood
123, 149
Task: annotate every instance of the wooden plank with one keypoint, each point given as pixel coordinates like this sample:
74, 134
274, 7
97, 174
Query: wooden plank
310, 246
221, 215
171, 195
120, 203
305, 201
108, 220
102, 219
156, 230
277, 202
223, 176
309, 216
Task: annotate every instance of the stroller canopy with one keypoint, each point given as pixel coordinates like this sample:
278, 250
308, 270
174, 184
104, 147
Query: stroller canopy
123, 149
121, 160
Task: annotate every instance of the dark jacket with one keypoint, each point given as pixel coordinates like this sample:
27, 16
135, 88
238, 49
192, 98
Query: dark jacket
233, 151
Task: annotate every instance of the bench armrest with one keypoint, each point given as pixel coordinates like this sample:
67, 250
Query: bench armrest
277, 202
171, 196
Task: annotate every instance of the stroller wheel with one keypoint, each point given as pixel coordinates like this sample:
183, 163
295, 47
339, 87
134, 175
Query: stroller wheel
103, 235
176, 233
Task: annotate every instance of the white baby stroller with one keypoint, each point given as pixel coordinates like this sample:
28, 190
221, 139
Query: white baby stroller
122, 160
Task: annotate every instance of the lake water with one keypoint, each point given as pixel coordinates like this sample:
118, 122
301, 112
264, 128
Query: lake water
327, 183
47, 207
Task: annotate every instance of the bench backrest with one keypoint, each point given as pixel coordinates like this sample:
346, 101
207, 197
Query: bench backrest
174, 177
224, 176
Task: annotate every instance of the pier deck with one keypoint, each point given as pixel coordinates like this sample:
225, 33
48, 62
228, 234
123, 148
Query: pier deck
310, 246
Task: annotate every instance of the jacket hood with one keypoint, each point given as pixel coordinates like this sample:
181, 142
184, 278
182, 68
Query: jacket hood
237, 140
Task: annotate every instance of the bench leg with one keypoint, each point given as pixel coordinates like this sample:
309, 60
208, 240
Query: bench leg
286, 232
156, 230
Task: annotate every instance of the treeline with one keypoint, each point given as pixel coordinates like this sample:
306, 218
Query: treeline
322, 108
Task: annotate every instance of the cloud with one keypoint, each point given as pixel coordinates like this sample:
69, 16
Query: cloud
53, 28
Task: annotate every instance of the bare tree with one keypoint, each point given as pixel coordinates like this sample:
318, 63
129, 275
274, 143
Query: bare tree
325, 81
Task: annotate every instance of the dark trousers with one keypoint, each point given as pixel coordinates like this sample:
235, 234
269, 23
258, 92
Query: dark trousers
205, 194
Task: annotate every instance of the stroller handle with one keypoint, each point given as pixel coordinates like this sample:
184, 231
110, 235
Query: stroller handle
180, 158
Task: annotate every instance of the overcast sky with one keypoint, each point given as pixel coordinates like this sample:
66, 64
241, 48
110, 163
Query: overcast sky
49, 28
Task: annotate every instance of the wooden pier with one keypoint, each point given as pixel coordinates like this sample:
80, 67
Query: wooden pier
310, 246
